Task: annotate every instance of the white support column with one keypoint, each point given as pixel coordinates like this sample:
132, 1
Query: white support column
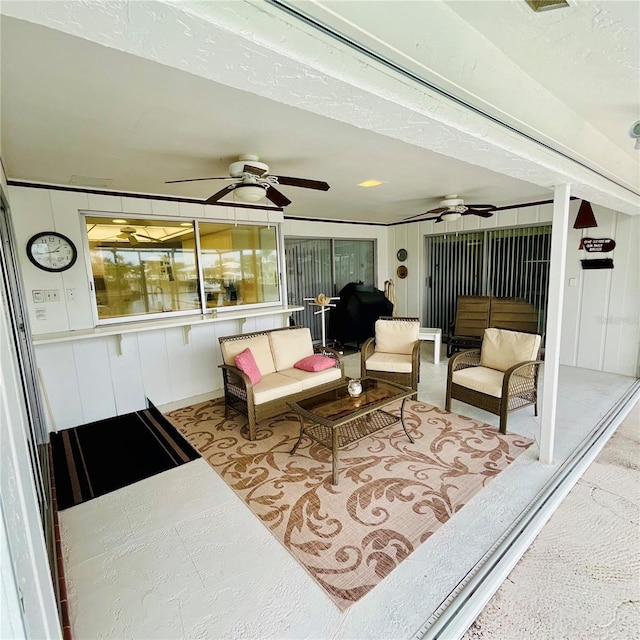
559, 233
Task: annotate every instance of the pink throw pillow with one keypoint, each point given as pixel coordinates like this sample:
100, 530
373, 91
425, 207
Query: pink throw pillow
247, 364
316, 362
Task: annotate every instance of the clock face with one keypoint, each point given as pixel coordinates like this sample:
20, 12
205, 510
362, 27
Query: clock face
51, 251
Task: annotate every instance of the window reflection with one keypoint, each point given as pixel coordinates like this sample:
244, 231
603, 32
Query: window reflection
142, 267
239, 264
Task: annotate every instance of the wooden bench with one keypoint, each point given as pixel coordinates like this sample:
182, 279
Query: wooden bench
474, 314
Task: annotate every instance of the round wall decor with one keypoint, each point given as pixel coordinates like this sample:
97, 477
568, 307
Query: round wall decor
401, 255
402, 272
51, 251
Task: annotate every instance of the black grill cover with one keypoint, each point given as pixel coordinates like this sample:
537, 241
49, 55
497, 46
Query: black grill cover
354, 317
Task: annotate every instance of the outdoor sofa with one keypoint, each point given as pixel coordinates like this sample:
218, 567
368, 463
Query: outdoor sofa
278, 355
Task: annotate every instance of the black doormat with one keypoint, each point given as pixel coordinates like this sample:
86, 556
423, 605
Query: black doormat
96, 458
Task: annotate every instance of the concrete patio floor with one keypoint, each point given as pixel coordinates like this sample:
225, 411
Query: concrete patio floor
179, 556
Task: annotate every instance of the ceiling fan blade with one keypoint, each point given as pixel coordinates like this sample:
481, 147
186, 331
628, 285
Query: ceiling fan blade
141, 235
438, 210
482, 207
199, 179
255, 171
216, 196
478, 212
278, 198
303, 182
438, 219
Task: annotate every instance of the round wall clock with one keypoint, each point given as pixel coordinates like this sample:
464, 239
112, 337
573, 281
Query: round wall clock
401, 255
51, 251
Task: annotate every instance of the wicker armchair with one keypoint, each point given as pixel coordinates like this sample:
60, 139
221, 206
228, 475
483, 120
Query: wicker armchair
501, 377
393, 354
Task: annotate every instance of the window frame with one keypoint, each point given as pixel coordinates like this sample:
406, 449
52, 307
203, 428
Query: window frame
202, 309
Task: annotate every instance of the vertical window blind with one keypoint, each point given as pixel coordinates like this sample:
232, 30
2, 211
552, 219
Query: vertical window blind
509, 263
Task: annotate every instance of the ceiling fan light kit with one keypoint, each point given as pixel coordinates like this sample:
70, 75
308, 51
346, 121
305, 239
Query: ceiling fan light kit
451, 216
249, 192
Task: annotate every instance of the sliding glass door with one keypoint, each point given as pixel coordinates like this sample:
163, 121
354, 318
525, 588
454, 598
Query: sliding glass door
509, 263
324, 266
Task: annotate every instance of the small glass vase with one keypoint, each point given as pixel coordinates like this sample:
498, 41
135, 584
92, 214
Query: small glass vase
354, 387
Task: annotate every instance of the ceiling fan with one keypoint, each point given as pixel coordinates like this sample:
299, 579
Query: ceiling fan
453, 207
131, 234
252, 181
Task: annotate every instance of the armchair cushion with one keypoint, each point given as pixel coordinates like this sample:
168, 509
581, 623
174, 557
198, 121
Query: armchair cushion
290, 346
260, 348
502, 349
394, 336
247, 363
390, 362
480, 379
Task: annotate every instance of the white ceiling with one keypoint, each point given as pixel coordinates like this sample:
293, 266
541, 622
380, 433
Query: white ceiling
72, 107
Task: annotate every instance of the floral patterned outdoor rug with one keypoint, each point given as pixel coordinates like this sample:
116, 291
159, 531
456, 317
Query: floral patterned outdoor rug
391, 497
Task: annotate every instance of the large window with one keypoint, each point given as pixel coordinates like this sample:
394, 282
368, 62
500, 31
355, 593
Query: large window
143, 267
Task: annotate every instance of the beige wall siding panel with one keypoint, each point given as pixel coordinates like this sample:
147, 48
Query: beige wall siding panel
95, 384
191, 210
155, 366
136, 205
622, 343
126, 373
66, 206
164, 208
101, 202
205, 358
58, 367
179, 352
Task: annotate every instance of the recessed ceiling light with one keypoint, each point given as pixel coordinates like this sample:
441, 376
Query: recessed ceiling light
119, 221
547, 5
370, 183
185, 224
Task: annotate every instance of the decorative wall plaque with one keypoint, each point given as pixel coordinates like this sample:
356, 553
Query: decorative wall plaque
597, 245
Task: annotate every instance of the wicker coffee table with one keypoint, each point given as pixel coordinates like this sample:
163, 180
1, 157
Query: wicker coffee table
334, 419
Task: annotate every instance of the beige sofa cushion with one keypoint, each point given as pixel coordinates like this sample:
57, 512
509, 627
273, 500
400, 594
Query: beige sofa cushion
310, 379
501, 349
274, 386
289, 346
260, 348
390, 362
396, 336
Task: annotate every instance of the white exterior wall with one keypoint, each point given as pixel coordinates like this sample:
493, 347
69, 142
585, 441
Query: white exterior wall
601, 317
88, 380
